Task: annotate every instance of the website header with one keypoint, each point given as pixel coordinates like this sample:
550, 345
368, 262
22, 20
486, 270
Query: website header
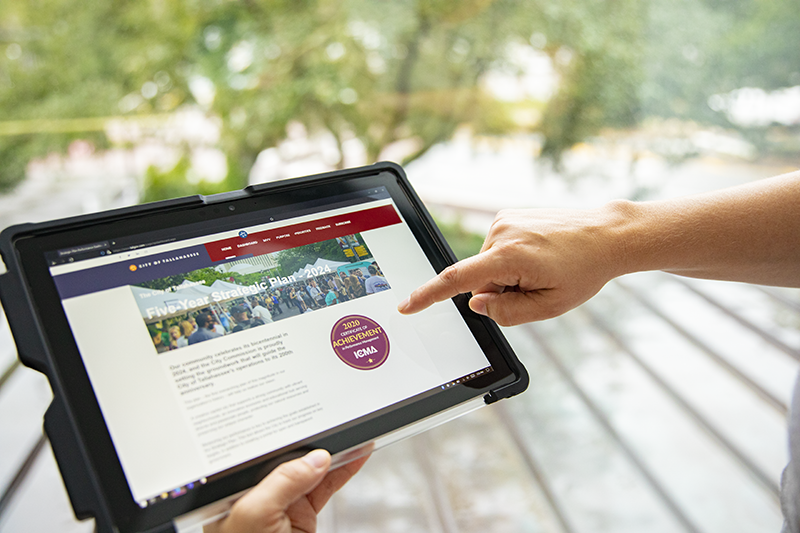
209, 254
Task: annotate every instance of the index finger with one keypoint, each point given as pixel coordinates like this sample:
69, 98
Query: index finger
468, 275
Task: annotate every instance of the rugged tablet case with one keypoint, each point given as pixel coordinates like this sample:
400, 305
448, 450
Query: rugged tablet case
76, 467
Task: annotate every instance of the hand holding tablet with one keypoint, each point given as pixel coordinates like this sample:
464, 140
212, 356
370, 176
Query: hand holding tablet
289, 498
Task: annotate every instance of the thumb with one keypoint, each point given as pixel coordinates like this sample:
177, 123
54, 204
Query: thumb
292, 480
267, 502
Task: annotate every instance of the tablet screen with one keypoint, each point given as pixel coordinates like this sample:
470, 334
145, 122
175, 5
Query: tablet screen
212, 344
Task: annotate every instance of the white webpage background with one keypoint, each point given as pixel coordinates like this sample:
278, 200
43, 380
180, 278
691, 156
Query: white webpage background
157, 446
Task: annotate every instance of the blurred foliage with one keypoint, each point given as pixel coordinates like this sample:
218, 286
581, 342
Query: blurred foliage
380, 72
597, 49
463, 242
172, 183
701, 48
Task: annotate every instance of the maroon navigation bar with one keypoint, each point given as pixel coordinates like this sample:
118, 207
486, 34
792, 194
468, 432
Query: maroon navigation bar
286, 237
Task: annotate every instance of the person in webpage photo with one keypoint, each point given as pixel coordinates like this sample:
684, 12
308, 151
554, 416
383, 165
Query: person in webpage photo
186, 331
174, 335
315, 293
260, 311
276, 305
330, 298
356, 285
239, 313
538, 264
297, 295
218, 328
225, 320
205, 329
375, 283
342, 289
306, 298
158, 340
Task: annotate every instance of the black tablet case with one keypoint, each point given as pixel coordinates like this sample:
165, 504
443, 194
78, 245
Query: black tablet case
73, 461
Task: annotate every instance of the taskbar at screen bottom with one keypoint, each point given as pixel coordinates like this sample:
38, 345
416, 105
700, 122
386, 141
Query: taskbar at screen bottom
177, 492
467, 378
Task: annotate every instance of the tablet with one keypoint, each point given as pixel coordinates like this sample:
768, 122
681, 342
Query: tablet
194, 344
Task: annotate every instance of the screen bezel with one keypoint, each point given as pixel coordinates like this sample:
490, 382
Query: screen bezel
68, 370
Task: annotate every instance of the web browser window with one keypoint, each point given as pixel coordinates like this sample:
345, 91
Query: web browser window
198, 372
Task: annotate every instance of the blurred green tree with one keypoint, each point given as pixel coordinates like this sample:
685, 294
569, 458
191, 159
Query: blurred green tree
377, 72
380, 72
596, 48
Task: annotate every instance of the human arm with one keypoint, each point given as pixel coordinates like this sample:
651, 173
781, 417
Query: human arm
537, 264
289, 498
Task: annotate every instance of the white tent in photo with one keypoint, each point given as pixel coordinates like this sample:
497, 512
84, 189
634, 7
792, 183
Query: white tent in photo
327, 262
319, 264
220, 285
245, 269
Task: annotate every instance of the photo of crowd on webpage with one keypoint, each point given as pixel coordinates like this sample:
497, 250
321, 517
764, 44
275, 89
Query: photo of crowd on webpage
214, 302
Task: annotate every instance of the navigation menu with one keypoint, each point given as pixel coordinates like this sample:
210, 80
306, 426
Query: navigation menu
285, 237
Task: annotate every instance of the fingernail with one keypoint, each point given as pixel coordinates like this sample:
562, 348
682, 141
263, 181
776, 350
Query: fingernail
316, 459
478, 306
402, 305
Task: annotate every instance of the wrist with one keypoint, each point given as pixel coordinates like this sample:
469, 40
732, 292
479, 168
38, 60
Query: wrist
627, 232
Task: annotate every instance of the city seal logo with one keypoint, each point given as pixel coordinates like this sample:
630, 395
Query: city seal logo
243, 234
360, 342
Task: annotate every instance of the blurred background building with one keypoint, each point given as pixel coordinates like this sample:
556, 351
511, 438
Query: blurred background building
658, 406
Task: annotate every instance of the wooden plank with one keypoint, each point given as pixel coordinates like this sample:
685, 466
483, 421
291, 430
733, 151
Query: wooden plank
666, 497
705, 348
713, 489
751, 426
771, 369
